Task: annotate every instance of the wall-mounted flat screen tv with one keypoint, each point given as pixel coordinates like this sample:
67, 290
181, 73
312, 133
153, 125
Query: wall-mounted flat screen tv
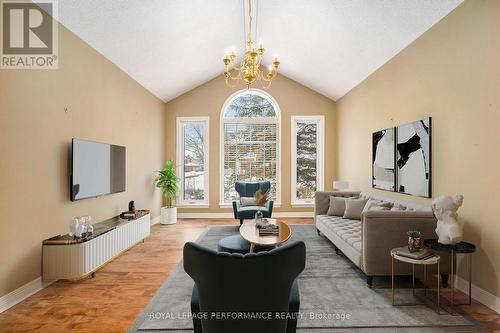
97, 169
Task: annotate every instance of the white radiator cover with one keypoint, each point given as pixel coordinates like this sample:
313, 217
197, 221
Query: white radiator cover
76, 260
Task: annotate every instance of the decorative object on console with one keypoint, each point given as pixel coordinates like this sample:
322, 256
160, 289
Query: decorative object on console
167, 181
445, 207
414, 158
383, 165
340, 185
130, 215
414, 240
73, 225
80, 226
131, 206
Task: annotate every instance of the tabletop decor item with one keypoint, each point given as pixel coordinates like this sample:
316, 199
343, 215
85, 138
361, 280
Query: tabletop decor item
414, 240
420, 254
448, 230
269, 229
261, 198
259, 219
87, 229
73, 225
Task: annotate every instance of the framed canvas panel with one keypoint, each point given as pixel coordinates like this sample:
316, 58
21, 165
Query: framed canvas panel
383, 160
413, 158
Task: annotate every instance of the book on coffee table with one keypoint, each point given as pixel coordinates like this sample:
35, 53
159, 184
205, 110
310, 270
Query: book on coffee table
270, 229
418, 255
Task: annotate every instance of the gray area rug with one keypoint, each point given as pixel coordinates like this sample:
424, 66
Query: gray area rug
333, 292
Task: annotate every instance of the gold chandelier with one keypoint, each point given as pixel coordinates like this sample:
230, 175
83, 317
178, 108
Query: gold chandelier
249, 69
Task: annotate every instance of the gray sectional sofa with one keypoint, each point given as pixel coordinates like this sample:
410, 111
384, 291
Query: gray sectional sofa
368, 241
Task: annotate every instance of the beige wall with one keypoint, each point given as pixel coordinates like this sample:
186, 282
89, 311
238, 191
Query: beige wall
293, 99
451, 73
104, 104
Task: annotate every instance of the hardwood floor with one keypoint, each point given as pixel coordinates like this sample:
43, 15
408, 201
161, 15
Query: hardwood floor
112, 300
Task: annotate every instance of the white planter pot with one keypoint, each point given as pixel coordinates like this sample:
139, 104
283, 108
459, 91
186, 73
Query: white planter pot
168, 215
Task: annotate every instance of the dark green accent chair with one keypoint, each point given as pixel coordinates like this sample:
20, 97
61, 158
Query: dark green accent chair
258, 283
248, 190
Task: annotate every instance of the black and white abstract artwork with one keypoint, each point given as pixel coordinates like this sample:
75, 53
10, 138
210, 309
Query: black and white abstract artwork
413, 164
383, 172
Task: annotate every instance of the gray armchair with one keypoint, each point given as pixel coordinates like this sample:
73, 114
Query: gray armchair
248, 190
258, 283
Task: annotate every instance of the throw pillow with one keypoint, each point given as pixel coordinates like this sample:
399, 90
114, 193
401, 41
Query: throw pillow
248, 201
375, 203
337, 206
398, 207
354, 208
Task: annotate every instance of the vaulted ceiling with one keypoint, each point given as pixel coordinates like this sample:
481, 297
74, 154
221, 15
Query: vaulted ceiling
172, 46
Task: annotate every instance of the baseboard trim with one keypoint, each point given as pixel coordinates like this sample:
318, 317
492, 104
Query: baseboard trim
478, 294
155, 220
231, 215
20, 294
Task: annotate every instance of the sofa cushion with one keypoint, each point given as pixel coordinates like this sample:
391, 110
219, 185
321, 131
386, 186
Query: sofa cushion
348, 230
247, 201
337, 206
248, 212
375, 204
354, 208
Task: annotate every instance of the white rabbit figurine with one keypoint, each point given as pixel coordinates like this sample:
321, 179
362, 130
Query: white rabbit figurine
448, 229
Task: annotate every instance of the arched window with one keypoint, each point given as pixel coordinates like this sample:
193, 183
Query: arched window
250, 135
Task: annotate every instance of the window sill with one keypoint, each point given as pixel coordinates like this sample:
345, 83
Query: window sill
302, 204
196, 205
230, 205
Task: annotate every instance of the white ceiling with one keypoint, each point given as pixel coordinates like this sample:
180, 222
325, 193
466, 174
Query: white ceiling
172, 46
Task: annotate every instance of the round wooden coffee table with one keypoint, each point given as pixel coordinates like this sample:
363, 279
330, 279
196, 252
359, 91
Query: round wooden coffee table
251, 234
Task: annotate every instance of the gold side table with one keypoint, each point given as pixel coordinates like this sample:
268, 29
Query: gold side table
434, 259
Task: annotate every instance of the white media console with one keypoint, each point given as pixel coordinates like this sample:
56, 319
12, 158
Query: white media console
65, 257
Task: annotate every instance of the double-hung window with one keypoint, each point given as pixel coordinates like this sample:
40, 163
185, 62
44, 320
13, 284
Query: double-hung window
192, 161
307, 158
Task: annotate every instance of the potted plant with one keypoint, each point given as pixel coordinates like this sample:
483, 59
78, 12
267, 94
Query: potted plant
167, 182
414, 240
